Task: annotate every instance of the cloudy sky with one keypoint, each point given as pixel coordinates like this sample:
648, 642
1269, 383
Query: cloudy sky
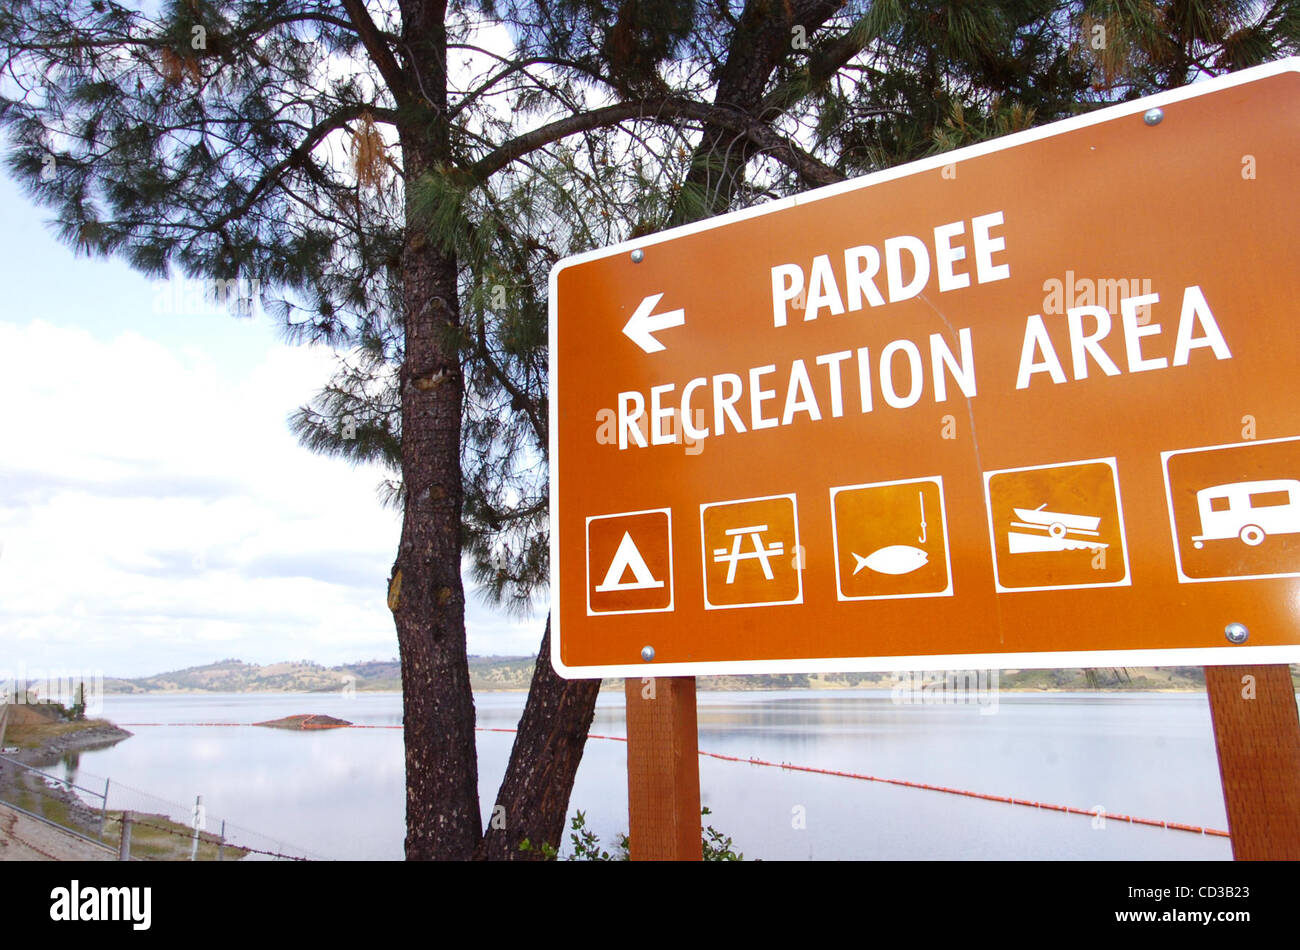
155, 511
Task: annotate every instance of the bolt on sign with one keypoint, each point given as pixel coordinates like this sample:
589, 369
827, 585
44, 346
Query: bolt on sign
1030, 403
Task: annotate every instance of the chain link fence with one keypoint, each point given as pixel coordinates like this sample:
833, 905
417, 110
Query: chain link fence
137, 824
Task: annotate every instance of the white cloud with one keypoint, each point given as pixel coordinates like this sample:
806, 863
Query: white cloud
156, 512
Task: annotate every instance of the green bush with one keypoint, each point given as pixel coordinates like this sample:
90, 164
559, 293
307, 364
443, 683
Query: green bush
586, 844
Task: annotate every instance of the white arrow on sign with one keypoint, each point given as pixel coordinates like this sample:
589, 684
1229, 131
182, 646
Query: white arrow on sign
643, 324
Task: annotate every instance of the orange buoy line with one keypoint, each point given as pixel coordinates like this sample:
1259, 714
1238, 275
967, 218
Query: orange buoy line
859, 776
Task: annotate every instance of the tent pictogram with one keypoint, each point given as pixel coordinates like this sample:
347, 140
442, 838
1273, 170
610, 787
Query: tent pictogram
630, 562
626, 558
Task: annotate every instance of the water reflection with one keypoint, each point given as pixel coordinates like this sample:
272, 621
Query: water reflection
340, 792
70, 761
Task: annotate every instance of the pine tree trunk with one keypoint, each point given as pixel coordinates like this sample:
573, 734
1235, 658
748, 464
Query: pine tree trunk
534, 797
426, 594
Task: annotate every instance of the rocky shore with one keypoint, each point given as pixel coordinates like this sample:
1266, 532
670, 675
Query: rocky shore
51, 747
43, 745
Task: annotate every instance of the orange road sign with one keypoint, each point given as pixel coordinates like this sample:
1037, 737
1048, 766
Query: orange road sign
1030, 403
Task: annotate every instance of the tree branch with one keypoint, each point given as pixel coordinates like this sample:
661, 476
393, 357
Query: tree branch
272, 175
822, 67
376, 47
764, 138
536, 420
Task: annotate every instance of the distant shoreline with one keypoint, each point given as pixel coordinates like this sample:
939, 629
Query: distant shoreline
509, 674
610, 684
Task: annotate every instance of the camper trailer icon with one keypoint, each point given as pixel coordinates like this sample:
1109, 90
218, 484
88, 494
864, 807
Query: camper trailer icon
1249, 511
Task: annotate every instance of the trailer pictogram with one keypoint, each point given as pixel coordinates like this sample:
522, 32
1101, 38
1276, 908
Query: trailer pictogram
1235, 510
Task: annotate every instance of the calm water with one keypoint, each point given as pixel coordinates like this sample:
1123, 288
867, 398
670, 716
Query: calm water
339, 793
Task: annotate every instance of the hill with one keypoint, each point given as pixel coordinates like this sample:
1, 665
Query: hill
305, 676
515, 673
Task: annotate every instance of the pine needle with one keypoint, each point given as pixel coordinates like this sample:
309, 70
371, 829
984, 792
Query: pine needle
177, 68
368, 153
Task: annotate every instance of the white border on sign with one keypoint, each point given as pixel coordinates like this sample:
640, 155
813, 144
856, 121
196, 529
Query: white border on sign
1177, 656
1113, 465
671, 590
1203, 656
943, 526
704, 554
1173, 523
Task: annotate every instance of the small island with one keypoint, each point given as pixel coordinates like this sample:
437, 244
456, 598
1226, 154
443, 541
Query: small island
305, 721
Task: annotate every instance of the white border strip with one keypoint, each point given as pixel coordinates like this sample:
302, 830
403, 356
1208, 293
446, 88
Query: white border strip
1178, 656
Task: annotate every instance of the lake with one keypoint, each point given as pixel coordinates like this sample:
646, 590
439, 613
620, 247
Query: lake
339, 793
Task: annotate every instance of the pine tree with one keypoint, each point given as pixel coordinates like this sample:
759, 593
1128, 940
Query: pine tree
406, 207
332, 159
861, 87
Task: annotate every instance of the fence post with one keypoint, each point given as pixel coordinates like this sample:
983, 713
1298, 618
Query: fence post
198, 820
221, 842
124, 848
103, 812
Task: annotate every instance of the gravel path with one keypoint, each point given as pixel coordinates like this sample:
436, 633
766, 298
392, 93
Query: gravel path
26, 839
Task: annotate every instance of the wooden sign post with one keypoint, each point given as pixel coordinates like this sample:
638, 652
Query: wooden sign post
1257, 731
663, 769
1031, 404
